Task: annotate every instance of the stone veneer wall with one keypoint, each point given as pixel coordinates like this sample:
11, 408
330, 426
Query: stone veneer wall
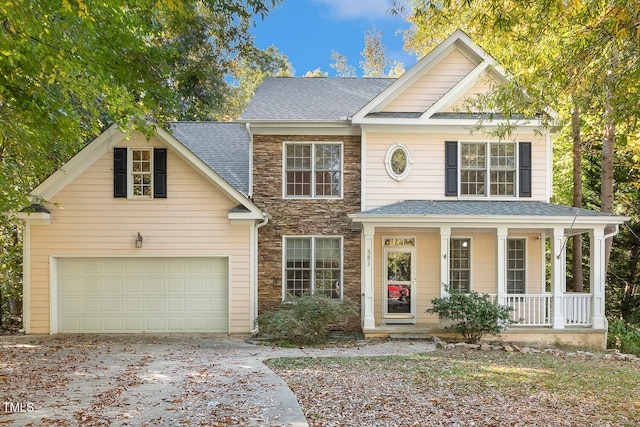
312, 217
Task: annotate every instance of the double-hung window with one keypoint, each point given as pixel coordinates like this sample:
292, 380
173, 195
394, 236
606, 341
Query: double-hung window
516, 266
313, 266
488, 169
140, 173
460, 264
313, 170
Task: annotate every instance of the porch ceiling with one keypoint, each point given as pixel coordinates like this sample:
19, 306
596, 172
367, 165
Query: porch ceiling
491, 213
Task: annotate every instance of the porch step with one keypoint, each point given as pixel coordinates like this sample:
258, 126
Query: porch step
411, 337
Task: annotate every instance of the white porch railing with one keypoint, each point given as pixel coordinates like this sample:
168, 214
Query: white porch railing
537, 309
530, 309
577, 309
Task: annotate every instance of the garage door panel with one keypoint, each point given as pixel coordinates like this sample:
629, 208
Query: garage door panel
113, 323
134, 323
132, 286
197, 285
89, 305
134, 305
156, 304
113, 305
113, 286
177, 268
155, 286
92, 323
176, 286
197, 305
218, 304
143, 294
155, 324
176, 304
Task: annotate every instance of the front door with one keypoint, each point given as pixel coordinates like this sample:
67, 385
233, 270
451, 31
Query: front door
399, 284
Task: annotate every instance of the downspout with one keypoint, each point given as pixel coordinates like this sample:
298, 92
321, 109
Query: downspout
606, 321
613, 233
255, 246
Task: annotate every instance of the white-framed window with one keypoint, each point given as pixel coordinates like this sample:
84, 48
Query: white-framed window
140, 173
488, 169
398, 161
313, 170
460, 264
313, 266
516, 265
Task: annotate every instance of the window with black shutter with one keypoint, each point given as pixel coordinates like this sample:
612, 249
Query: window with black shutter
140, 173
525, 169
451, 168
488, 169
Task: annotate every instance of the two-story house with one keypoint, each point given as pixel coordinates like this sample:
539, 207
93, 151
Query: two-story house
369, 189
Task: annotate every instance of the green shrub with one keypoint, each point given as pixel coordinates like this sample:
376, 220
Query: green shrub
473, 315
306, 320
623, 337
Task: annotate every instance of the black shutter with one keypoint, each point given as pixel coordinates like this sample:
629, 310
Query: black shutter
119, 172
451, 168
525, 169
160, 173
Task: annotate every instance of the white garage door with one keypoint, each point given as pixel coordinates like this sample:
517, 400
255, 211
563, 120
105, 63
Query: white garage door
143, 295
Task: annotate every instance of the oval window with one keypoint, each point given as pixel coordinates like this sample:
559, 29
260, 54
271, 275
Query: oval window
398, 161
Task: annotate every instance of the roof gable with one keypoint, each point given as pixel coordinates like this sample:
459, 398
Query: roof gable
203, 165
437, 83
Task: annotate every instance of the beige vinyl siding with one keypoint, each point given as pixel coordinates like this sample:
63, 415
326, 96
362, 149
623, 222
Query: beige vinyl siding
426, 178
432, 85
482, 86
88, 221
535, 262
483, 261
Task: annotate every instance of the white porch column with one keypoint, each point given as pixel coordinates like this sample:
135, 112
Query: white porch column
501, 263
445, 238
368, 319
558, 276
598, 277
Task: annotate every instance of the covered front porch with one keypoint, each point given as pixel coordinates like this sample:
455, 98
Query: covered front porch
515, 251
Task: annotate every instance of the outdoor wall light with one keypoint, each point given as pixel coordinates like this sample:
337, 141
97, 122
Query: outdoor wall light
139, 240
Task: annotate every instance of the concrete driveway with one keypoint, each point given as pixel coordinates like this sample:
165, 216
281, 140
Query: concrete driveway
149, 380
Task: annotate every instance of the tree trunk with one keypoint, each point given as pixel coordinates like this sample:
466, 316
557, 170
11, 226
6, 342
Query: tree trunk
578, 280
608, 149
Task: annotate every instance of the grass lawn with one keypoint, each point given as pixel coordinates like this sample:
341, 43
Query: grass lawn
470, 388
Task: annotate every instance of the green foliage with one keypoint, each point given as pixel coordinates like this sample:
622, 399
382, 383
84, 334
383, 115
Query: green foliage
69, 69
624, 337
473, 315
305, 320
10, 274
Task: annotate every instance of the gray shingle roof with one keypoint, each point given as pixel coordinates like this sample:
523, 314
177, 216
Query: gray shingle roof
224, 147
480, 208
312, 98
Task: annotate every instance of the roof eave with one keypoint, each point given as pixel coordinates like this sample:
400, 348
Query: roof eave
529, 221
532, 123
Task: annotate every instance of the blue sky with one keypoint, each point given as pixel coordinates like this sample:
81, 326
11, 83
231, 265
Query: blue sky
308, 30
